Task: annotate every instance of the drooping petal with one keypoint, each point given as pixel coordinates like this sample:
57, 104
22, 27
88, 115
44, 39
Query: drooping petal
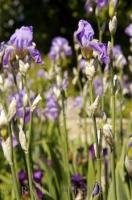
8, 53
101, 49
35, 54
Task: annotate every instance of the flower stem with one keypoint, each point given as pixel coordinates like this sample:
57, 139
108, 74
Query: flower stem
16, 189
28, 153
13, 171
66, 147
98, 177
29, 175
113, 126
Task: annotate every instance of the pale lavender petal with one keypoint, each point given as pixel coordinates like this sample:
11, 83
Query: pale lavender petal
22, 38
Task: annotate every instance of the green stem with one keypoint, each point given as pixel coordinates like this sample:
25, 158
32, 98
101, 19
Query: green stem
66, 147
98, 176
113, 126
131, 188
28, 153
13, 171
29, 175
15, 181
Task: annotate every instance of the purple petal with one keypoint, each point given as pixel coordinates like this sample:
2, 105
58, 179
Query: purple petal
35, 54
101, 49
9, 50
22, 38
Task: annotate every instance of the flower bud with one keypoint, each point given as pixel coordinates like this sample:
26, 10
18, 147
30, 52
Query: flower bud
94, 106
12, 109
90, 70
25, 100
6, 146
56, 91
35, 102
96, 191
107, 132
128, 165
22, 139
3, 119
112, 7
113, 25
23, 67
128, 158
58, 80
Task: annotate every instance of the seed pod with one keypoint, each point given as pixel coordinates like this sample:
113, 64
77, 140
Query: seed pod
23, 67
12, 109
94, 106
6, 146
3, 119
22, 139
113, 25
35, 102
107, 132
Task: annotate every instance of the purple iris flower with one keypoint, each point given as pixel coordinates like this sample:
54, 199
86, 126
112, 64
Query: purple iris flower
78, 182
128, 30
22, 112
51, 110
21, 44
102, 3
84, 36
22, 175
38, 175
59, 49
98, 86
92, 151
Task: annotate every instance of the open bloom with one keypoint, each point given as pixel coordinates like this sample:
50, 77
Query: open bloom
52, 109
78, 183
84, 36
59, 49
21, 44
